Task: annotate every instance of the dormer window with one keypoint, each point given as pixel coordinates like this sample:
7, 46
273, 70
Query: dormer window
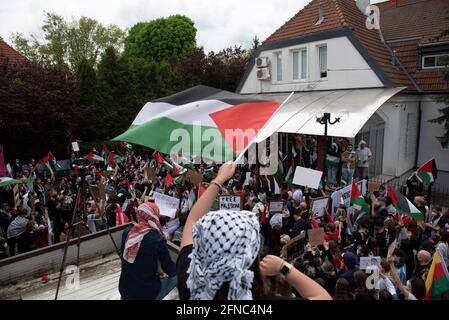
435, 61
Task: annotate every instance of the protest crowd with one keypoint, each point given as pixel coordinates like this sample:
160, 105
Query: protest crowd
280, 240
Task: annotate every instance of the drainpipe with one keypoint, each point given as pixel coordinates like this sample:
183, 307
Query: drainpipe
418, 136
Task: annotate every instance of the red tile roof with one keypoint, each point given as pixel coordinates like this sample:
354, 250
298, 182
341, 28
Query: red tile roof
399, 18
10, 55
409, 24
404, 19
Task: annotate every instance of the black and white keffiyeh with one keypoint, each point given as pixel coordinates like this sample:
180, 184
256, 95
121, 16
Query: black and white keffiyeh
225, 245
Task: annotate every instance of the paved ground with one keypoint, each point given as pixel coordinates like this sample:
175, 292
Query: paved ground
98, 281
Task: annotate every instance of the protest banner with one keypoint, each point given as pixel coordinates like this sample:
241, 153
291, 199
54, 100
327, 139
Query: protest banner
193, 177
319, 205
229, 202
316, 236
307, 177
167, 205
275, 206
294, 248
366, 262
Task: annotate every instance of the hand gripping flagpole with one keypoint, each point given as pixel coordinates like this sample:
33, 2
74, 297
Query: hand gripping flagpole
254, 140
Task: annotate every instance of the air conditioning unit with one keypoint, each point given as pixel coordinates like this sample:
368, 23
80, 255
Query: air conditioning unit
262, 62
263, 73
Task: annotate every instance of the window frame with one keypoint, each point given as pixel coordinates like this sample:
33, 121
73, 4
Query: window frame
436, 59
300, 70
277, 55
318, 47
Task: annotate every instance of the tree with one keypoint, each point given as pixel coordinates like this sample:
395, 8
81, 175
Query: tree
444, 117
88, 82
39, 109
225, 69
67, 43
161, 39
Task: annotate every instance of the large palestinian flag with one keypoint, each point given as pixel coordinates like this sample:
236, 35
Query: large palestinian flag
401, 203
428, 171
199, 117
7, 181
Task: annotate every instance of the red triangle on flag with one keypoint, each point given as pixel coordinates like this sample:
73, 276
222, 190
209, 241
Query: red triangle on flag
169, 179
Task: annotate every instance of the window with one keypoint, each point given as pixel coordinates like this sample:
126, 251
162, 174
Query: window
435, 61
278, 58
322, 56
300, 64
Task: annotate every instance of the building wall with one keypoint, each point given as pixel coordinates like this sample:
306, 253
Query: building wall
429, 147
347, 69
400, 114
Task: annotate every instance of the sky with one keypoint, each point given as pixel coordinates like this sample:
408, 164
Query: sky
219, 23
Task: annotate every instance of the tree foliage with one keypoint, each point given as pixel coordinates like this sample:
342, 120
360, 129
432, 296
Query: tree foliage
39, 109
161, 39
93, 90
67, 43
222, 70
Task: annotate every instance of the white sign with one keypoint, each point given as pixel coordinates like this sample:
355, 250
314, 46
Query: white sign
229, 202
318, 206
307, 177
366, 262
343, 193
167, 205
275, 206
75, 146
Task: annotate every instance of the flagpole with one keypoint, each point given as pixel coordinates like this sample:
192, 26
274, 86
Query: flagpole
242, 153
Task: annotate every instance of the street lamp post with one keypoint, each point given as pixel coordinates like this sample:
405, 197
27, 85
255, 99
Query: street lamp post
326, 119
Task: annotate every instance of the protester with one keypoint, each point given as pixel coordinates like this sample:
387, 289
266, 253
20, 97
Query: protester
269, 243
348, 159
223, 247
143, 250
364, 155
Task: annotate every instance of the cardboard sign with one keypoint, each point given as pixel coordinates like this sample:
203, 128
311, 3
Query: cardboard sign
229, 202
167, 205
307, 177
318, 206
75, 146
294, 248
316, 236
366, 262
275, 206
194, 177
150, 174
95, 192
373, 186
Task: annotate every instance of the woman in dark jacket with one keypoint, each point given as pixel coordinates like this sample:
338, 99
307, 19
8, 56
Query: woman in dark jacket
144, 248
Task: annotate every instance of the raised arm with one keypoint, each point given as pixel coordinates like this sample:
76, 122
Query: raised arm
202, 206
405, 291
307, 287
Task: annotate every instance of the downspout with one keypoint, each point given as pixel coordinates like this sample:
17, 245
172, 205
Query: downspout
418, 136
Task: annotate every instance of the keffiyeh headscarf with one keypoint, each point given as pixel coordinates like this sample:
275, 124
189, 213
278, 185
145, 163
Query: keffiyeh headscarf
147, 219
225, 245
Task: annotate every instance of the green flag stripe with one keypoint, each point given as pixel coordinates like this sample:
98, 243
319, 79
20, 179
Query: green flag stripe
149, 133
